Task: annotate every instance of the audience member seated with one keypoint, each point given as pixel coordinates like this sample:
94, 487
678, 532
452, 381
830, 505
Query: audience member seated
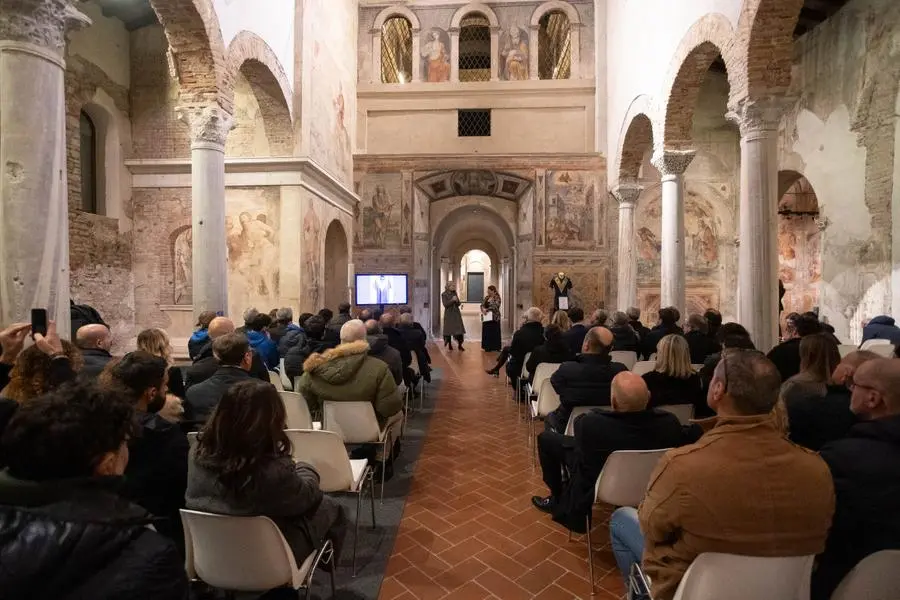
630, 426
258, 336
865, 466
634, 319
819, 357
380, 349
730, 335
561, 319
94, 341
242, 466
713, 323
741, 489
395, 338
249, 315
574, 337
205, 365
668, 325
528, 337
156, 342
348, 374
200, 337
625, 338
327, 315
599, 318
37, 371
673, 380
882, 328
815, 418
232, 351
696, 332
416, 340
156, 475
786, 355
315, 342
585, 381
342, 317
288, 333
67, 532
554, 350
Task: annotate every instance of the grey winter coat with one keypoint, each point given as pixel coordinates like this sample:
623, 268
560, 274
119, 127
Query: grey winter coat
453, 322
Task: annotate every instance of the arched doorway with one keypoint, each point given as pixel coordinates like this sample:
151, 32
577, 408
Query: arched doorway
799, 244
337, 259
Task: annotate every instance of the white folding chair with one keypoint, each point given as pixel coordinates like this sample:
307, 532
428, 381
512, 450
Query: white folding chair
282, 374
581, 410
275, 379
846, 349
192, 439
642, 367
520, 389
876, 577
746, 578
625, 357
872, 344
246, 554
684, 412
357, 423
546, 402
622, 482
883, 350
297, 409
325, 452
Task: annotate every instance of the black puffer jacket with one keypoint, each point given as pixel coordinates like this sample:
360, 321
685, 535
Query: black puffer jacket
79, 540
296, 356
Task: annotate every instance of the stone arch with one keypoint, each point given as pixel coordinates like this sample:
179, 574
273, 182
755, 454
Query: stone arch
337, 261
555, 5
765, 41
475, 7
395, 11
709, 37
799, 242
635, 139
197, 51
250, 58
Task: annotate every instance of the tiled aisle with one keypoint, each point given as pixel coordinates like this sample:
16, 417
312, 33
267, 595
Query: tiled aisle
469, 530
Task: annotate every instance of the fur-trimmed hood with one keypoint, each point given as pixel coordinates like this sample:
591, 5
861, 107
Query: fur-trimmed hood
339, 364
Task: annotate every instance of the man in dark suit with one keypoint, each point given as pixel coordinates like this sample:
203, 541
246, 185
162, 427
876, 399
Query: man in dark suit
586, 381
395, 338
668, 324
574, 337
629, 426
232, 351
528, 337
786, 355
701, 345
205, 365
634, 319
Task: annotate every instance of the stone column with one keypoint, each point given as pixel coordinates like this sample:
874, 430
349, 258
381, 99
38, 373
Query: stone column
627, 194
34, 215
757, 297
495, 54
672, 164
454, 55
416, 56
209, 128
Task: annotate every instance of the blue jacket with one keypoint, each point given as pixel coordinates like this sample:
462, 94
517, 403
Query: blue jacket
199, 339
882, 328
265, 347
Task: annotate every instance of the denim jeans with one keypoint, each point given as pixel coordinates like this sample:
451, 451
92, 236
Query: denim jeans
626, 539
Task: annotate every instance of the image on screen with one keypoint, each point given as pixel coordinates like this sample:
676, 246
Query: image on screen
380, 289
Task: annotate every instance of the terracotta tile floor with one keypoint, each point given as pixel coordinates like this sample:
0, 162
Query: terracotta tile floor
469, 529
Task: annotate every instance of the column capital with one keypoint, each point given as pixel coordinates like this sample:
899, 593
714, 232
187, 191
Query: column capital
758, 115
672, 162
209, 125
627, 194
43, 23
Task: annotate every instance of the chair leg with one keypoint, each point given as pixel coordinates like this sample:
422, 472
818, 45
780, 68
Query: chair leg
333, 569
372, 496
590, 553
356, 528
384, 459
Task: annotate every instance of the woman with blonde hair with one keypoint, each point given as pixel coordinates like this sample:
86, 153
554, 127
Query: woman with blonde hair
156, 342
819, 357
674, 380
561, 319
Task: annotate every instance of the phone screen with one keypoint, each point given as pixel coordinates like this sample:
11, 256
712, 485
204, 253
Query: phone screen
38, 321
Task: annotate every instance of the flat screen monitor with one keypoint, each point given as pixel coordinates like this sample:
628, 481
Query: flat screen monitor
380, 288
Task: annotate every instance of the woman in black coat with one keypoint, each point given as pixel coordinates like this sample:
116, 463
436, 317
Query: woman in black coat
674, 381
554, 350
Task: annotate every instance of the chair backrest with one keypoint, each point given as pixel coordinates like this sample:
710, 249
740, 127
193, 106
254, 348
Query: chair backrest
275, 379
547, 400
192, 438
626, 475
543, 372
642, 367
297, 409
697, 367
325, 451
846, 349
525, 372
871, 344
876, 577
713, 576
282, 374
884, 350
245, 554
625, 357
684, 412
355, 422
580, 410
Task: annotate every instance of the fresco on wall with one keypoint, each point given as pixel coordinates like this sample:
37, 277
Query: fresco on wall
799, 247
435, 49
312, 259
514, 54
406, 214
589, 281
380, 212
182, 259
570, 210
251, 230
698, 300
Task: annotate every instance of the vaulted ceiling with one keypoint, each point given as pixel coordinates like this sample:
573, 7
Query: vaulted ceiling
133, 13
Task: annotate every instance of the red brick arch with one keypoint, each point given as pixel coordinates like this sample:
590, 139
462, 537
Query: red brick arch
635, 139
198, 51
709, 37
764, 42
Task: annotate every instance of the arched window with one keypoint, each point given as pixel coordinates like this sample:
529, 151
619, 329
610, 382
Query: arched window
396, 51
555, 46
475, 48
89, 141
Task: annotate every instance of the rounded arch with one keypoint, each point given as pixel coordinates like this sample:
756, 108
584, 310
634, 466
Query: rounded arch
474, 7
337, 262
395, 11
708, 38
636, 137
555, 5
249, 50
197, 51
765, 35
799, 243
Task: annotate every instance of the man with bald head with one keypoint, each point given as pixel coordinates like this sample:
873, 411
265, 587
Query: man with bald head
587, 380
94, 341
630, 425
865, 465
205, 364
